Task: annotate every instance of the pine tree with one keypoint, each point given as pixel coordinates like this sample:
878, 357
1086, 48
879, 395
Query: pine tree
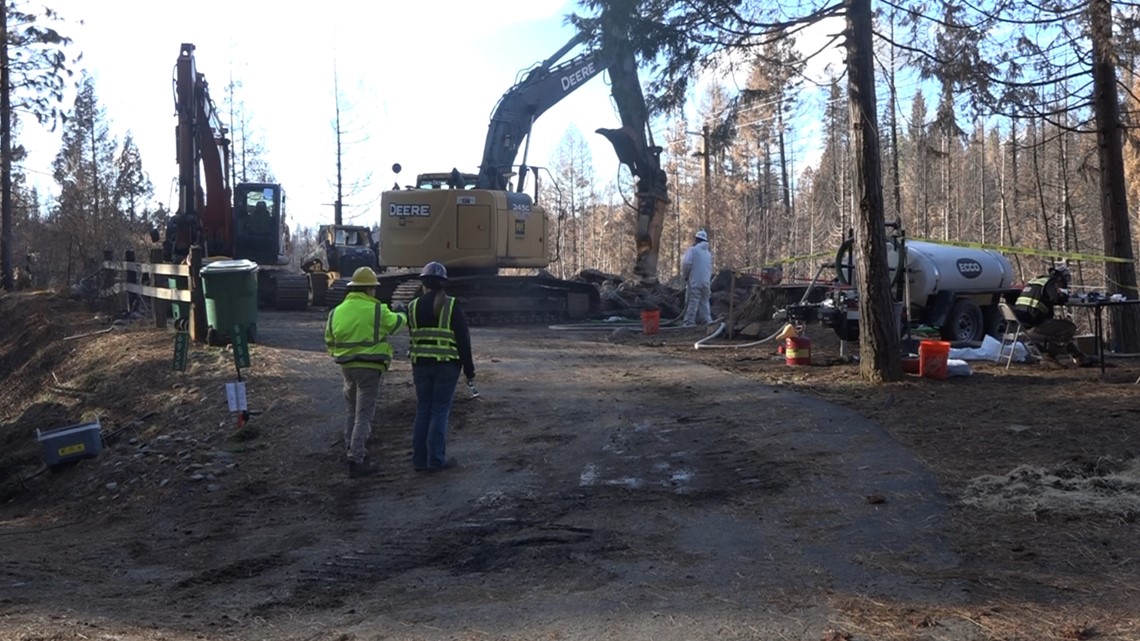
133, 189
84, 169
34, 71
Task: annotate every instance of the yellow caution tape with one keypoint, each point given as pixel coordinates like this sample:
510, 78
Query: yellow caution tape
1023, 251
1027, 251
1120, 286
795, 259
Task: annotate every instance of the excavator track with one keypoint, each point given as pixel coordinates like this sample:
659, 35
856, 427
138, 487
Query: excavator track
336, 292
292, 292
406, 291
506, 300
318, 288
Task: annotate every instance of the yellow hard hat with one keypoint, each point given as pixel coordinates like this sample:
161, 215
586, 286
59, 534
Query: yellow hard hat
364, 277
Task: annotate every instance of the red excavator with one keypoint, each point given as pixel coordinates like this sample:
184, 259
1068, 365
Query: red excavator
247, 221
475, 224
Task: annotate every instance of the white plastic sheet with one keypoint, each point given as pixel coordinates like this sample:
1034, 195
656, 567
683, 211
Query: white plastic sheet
958, 367
990, 350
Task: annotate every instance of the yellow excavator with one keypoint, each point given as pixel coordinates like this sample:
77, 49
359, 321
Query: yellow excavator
477, 224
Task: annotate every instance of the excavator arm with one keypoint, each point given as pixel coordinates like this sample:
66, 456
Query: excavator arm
202, 156
549, 82
514, 115
634, 148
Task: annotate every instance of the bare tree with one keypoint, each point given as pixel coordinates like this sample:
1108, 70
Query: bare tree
348, 133
569, 199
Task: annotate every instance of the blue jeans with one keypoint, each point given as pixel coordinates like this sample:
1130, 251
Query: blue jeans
435, 388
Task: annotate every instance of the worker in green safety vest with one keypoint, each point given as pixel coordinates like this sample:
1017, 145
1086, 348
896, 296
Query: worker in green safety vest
356, 336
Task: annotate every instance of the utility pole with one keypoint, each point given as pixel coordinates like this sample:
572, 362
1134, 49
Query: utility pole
708, 176
6, 163
339, 205
94, 167
338, 215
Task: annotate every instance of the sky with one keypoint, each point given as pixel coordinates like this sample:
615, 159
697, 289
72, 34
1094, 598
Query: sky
417, 86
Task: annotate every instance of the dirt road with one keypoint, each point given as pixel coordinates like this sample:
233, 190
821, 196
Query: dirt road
604, 491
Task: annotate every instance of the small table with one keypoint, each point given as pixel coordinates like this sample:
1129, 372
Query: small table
1097, 306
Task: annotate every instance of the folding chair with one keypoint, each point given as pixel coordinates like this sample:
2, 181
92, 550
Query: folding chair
1013, 333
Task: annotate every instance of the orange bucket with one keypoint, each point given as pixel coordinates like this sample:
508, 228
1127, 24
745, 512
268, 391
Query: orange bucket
797, 350
650, 321
932, 357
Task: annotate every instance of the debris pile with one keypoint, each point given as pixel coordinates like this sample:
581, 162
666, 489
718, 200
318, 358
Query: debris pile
621, 297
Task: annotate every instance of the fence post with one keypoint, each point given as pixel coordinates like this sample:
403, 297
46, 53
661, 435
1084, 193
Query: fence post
132, 278
197, 299
731, 307
108, 301
161, 305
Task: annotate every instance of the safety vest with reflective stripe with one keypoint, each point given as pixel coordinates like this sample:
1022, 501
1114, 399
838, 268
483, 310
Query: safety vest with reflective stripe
1031, 302
356, 334
435, 342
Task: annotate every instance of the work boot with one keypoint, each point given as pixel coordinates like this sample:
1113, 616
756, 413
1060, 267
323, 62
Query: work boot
362, 469
1084, 360
1050, 361
447, 465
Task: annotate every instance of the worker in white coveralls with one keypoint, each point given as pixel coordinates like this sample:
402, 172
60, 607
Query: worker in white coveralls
696, 269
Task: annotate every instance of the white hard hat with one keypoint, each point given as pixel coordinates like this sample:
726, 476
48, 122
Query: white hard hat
701, 235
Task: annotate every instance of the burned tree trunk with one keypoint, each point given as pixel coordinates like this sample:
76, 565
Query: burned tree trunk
1125, 321
878, 330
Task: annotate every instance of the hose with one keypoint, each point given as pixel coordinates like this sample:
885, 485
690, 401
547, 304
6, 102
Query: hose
701, 343
845, 262
608, 326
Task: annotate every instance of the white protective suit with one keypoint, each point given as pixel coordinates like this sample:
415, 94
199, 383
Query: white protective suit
696, 269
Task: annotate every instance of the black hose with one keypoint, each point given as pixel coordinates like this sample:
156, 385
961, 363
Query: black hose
846, 251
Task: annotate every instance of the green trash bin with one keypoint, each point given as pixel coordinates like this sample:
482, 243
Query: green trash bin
230, 290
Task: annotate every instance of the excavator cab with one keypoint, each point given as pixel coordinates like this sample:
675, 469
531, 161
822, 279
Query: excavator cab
260, 231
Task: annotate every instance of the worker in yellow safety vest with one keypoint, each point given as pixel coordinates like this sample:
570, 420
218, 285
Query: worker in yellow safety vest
1034, 308
440, 348
356, 336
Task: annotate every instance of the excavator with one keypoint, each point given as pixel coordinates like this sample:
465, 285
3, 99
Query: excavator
477, 224
247, 221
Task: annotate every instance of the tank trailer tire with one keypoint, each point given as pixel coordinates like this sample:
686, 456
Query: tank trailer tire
965, 322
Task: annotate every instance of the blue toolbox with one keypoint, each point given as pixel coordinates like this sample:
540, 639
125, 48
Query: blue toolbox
72, 443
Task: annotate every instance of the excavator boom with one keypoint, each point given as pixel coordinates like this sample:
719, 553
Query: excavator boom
514, 115
634, 148
203, 215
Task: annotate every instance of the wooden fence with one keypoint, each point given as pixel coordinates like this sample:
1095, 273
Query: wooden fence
142, 280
